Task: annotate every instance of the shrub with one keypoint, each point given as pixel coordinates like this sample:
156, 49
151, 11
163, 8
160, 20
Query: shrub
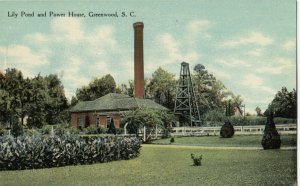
227, 130
28, 152
91, 130
32, 132
172, 140
46, 129
72, 130
17, 130
271, 138
249, 120
214, 117
197, 160
111, 127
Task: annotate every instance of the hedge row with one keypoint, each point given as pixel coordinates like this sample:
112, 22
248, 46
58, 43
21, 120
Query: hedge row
249, 120
31, 152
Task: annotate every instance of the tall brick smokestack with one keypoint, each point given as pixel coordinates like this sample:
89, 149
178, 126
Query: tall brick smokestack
139, 91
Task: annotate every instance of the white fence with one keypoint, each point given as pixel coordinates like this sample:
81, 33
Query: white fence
256, 129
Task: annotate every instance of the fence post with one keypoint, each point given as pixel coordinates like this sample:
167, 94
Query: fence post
144, 133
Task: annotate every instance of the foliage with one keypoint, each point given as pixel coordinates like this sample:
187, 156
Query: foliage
271, 138
17, 130
136, 119
209, 120
57, 104
227, 130
196, 159
214, 117
14, 96
210, 92
258, 111
42, 99
172, 140
162, 88
127, 89
285, 104
33, 152
96, 88
111, 127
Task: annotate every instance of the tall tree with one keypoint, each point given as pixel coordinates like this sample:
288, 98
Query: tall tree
210, 92
162, 88
39, 100
15, 95
127, 89
97, 88
258, 111
285, 103
57, 103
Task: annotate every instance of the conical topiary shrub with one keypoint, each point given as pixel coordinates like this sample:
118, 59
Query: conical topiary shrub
227, 130
271, 138
111, 127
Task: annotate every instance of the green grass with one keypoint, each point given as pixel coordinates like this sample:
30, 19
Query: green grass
171, 165
237, 141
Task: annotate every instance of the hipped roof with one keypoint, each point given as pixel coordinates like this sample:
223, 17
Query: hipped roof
115, 102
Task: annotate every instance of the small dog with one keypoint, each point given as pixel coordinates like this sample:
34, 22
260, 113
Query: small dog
197, 160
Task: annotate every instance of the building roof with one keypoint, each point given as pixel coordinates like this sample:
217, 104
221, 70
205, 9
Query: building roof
115, 102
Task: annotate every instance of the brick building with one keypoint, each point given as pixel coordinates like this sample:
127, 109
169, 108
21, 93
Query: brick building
99, 112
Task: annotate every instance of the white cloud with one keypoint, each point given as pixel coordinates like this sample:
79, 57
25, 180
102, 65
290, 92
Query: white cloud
170, 47
219, 74
252, 80
255, 52
253, 38
22, 58
36, 38
198, 28
289, 45
233, 62
277, 66
103, 37
67, 29
256, 83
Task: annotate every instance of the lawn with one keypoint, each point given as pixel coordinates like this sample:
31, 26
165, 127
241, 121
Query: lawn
171, 165
236, 141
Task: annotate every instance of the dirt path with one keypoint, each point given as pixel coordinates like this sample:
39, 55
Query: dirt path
211, 147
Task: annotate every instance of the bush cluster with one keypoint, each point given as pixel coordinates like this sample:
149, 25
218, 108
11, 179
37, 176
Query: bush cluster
248, 121
197, 160
227, 130
31, 152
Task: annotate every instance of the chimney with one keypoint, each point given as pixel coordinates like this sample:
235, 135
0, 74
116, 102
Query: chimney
138, 60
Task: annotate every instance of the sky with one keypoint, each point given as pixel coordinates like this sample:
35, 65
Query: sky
248, 45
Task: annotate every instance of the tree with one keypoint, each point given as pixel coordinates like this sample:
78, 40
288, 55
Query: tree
111, 127
138, 118
96, 88
258, 111
210, 92
15, 95
39, 100
285, 103
127, 89
57, 103
162, 88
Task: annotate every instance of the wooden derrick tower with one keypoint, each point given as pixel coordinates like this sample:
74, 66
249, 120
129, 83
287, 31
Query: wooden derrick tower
186, 107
